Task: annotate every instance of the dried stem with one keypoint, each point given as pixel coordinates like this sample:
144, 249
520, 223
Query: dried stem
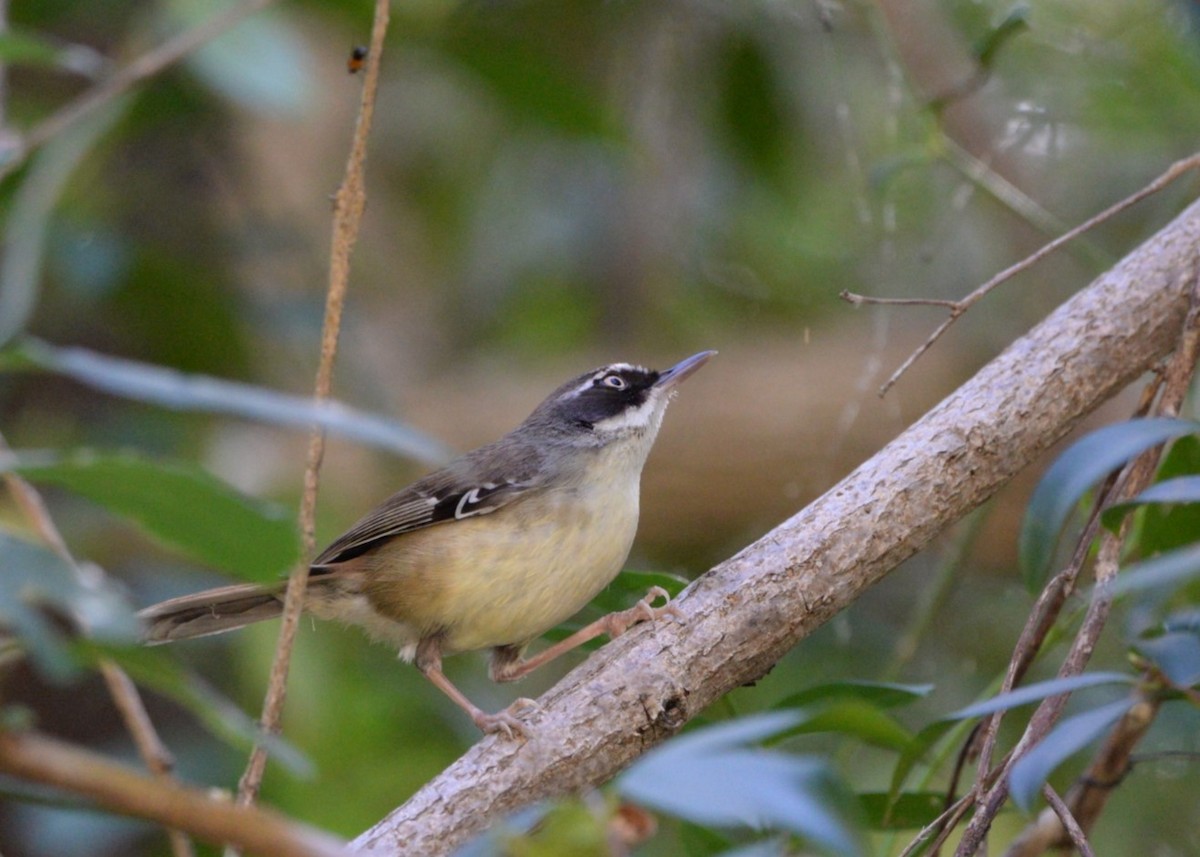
118, 789
349, 204
959, 307
153, 752
147, 65
1078, 837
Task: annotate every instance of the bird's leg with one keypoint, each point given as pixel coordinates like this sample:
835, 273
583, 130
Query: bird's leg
429, 662
508, 665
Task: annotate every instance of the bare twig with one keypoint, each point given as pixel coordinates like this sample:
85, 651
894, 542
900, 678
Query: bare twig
943, 824
1078, 837
958, 308
349, 204
1135, 477
153, 752
147, 65
119, 789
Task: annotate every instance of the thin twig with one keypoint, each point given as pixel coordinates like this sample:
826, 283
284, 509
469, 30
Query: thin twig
859, 300
943, 824
147, 65
120, 789
153, 752
1078, 837
1136, 476
349, 204
959, 307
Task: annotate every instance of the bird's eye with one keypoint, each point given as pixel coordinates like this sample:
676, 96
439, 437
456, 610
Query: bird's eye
614, 382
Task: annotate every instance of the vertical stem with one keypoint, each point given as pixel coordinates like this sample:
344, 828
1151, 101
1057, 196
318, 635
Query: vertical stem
349, 204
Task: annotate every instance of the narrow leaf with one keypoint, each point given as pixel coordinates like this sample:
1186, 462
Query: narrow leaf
1016, 21
35, 580
24, 235
1039, 691
1070, 736
707, 777
154, 669
1176, 654
1168, 526
145, 382
1077, 470
1160, 573
907, 811
180, 504
1180, 490
859, 719
879, 694
917, 748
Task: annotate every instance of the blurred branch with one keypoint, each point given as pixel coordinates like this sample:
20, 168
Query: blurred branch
154, 753
149, 64
746, 613
960, 307
118, 789
347, 216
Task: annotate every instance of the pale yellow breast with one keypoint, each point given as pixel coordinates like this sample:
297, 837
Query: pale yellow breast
505, 578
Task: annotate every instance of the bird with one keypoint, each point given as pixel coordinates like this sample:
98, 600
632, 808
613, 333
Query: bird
489, 552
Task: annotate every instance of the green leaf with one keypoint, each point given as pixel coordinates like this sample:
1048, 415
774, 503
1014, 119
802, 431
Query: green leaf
1172, 506
1039, 691
1176, 654
262, 64
1180, 490
168, 388
1070, 736
710, 777
1160, 573
154, 669
20, 47
24, 237
511, 51
37, 579
1073, 474
859, 719
1016, 21
917, 748
907, 811
879, 694
178, 503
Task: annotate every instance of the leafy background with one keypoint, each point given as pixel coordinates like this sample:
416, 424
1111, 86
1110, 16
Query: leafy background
554, 186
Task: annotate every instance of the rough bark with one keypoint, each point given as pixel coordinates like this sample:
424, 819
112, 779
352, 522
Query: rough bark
747, 612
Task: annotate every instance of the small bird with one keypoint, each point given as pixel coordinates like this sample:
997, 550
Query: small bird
491, 551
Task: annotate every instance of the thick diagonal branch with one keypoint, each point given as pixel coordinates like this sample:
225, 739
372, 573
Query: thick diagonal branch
747, 612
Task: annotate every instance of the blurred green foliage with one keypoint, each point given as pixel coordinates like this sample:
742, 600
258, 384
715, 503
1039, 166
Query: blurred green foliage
549, 181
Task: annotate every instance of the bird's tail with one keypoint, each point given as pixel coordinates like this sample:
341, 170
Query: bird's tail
213, 611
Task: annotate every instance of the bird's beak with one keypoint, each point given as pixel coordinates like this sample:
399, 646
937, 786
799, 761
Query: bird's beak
682, 369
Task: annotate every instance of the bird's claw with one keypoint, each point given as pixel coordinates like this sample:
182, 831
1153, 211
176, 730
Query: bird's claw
504, 722
644, 611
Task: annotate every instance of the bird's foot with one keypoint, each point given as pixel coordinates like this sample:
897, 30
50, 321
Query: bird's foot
643, 611
506, 721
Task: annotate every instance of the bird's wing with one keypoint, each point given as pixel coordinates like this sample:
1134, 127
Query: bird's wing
464, 489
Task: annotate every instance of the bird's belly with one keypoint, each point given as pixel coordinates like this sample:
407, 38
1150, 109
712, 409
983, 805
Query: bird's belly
503, 579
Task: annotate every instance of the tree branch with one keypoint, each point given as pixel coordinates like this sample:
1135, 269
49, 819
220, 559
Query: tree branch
747, 612
122, 790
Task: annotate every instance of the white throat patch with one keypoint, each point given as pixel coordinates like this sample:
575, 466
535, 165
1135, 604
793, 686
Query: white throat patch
646, 417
